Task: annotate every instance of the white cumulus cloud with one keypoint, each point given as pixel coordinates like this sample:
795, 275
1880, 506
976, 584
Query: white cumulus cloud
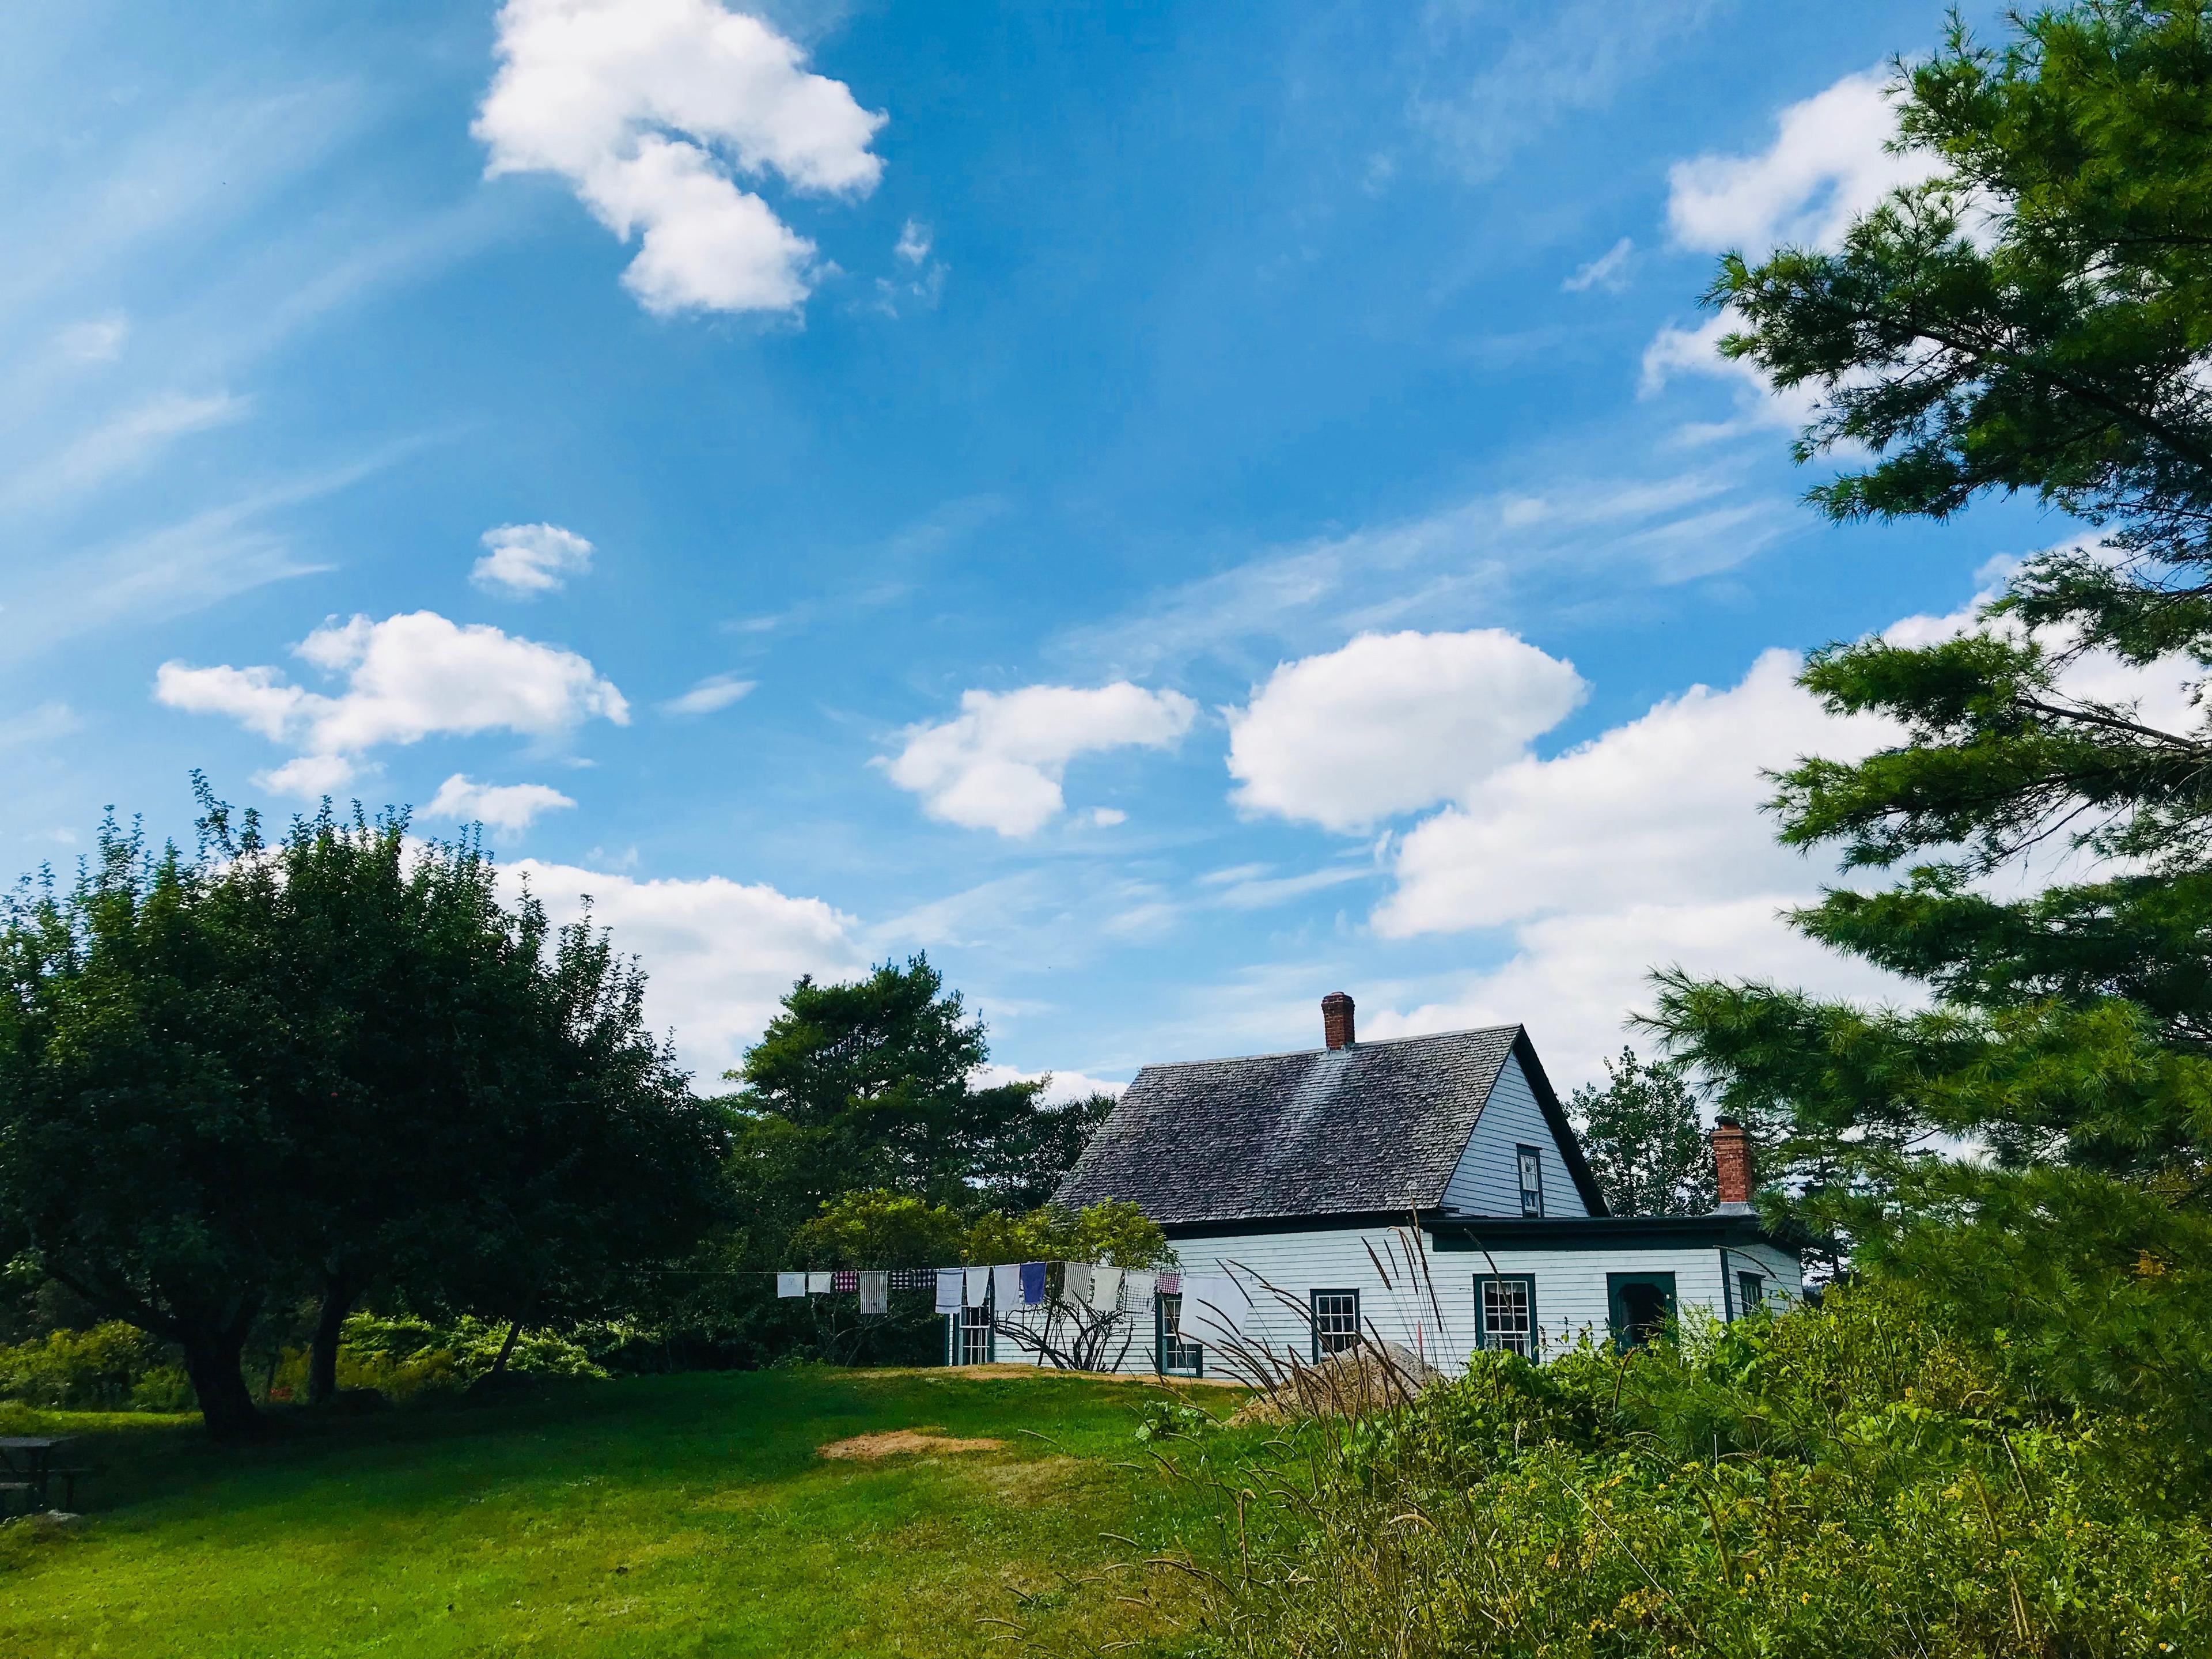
998, 765
403, 679
309, 776
1648, 846
1644, 847
1393, 722
718, 954
524, 560
652, 109
1825, 167
1064, 1089
507, 808
1666, 808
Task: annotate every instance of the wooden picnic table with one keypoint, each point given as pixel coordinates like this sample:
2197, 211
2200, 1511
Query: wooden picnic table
27, 1462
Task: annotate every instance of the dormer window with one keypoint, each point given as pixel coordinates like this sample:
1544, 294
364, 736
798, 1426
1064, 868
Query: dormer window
1531, 1165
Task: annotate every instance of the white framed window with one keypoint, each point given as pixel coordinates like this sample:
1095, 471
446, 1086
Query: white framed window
972, 1337
1335, 1322
1505, 1312
1530, 1163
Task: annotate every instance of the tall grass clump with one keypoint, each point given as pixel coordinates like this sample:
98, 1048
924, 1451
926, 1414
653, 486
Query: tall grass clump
1850, 1481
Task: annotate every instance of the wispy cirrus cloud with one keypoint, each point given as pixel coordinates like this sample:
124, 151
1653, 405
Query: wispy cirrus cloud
709, 697
1562, 539
1496, 77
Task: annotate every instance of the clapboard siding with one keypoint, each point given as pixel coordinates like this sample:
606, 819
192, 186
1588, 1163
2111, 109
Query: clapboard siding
1430, 1307
1487, 1181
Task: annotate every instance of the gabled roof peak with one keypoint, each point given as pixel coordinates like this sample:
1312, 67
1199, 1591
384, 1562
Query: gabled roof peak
1309, 1133
1324, 1053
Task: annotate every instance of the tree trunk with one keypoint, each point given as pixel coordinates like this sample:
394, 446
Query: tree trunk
212, 1359
514, 1331
506, 1348
340, 1291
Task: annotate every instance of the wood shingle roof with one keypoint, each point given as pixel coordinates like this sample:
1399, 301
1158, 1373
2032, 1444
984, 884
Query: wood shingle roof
1370, 1128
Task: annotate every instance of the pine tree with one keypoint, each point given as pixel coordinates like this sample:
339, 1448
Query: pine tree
2035, 1144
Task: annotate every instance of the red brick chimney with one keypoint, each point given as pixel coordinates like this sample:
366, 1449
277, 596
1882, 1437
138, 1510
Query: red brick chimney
1336, 1020
1732, 1166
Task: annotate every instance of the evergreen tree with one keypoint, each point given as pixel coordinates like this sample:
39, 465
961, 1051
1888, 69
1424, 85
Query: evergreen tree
873, 1084
2036, 1142
1641, 1136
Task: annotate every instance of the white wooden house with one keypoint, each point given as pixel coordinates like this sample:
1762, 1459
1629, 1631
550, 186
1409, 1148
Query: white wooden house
1424, 1190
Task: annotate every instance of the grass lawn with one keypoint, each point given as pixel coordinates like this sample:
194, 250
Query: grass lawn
649, 1516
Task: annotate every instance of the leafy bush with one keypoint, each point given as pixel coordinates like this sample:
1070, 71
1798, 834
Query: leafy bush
403, 1355
1115, 1232
1849, 1480
111, 1367
874, 1229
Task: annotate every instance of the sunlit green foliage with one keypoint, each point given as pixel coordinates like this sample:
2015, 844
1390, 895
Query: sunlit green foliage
1851, 1481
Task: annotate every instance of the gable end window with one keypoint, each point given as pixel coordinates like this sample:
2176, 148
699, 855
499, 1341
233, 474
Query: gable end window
1505, 1312
1335, 1315
1530, 1163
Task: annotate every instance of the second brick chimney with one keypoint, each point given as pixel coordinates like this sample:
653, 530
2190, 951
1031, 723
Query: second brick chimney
1336, 1027
1732, 1178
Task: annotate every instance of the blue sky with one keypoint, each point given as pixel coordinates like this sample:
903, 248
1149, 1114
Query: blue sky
1172, 509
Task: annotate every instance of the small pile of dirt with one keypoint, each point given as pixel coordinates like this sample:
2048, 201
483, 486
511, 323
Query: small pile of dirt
897, 1443
1371, 1377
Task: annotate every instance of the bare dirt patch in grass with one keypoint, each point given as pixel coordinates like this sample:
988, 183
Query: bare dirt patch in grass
899, 1442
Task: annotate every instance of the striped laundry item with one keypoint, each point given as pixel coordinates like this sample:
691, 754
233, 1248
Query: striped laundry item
845, 1281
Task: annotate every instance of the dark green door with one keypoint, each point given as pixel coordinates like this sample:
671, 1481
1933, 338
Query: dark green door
1641, 1304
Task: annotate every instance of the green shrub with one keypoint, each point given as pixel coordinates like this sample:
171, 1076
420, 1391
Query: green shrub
403, 1355
1847, 1481
111, 1367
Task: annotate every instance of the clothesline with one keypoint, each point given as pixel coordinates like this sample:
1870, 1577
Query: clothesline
1211, 1306
1002, 1286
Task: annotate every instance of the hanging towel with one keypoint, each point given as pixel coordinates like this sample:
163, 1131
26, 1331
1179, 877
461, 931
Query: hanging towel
948, 1281
875, 1292
817, 1284
979, 1287
1137, 1292
1006, 1286
1170, 1284
845, 1281
1106, 1289
1214, 1307
914, 1279
1075, 1285
1032, 1284
790, 1284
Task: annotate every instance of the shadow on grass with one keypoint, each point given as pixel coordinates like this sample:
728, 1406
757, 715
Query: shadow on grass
746, 1428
